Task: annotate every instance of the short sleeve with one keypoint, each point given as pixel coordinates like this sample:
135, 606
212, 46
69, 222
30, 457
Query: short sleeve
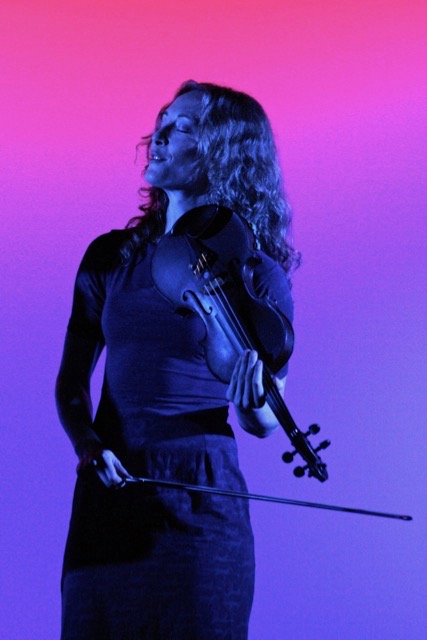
269, 279
91, 286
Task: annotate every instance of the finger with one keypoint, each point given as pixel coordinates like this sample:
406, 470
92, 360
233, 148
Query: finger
100, 467
123, 473
254, 397
280, 384
107, 469
113, 475
240, 394
248, 401
258, 385
110, 482
103, 477
232, 387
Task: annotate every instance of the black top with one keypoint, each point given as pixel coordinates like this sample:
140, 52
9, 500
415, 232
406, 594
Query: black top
157, 383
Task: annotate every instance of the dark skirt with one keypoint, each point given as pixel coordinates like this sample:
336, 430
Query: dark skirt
155, 563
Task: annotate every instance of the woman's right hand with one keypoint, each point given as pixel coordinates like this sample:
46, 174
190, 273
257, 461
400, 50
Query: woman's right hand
110, 470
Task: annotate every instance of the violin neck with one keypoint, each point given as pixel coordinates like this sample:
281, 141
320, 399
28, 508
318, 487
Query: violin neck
278, 406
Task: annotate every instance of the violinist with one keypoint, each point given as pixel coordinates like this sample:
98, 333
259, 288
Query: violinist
157, 563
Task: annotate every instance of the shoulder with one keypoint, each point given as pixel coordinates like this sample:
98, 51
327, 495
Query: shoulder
267, 266
103, 253
269, 273
270, 279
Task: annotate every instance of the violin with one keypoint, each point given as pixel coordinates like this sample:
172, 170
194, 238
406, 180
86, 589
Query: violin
205, 265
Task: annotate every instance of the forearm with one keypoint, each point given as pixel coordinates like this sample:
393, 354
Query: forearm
74, 407
246, 392
259, 422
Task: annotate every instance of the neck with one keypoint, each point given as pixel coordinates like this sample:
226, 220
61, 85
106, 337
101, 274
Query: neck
179, 203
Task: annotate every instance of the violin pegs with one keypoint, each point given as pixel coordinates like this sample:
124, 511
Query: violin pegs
288, 456
299, 472
323, 445
312, 430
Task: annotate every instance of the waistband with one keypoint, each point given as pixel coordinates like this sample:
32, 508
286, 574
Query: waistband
157, 428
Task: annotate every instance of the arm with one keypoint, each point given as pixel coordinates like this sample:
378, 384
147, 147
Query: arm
72, 392
74, 406
246, 391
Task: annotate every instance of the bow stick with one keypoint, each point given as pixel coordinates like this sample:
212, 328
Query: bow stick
257, 496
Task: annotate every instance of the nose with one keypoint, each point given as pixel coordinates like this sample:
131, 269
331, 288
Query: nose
160, 137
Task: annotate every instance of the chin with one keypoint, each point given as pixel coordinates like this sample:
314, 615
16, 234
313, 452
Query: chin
148, 177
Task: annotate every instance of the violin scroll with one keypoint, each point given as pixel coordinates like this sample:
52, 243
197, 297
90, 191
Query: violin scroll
314, 466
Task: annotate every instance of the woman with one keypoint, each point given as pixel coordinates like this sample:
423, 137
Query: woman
162, 563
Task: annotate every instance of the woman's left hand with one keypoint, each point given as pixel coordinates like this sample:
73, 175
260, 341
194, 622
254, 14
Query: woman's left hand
246, 392
246, 389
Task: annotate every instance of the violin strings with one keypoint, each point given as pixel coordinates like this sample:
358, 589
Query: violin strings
227, 308
275, 399
220, 302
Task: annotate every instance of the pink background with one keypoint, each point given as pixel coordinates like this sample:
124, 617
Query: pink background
344, 85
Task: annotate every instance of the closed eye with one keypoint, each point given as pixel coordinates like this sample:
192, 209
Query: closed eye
184, 125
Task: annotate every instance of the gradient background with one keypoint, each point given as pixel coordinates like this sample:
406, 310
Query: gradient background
344, 85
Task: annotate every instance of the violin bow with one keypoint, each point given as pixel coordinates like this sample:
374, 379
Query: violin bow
260, 497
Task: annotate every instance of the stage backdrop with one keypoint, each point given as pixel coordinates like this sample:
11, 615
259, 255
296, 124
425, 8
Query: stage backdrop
343, 84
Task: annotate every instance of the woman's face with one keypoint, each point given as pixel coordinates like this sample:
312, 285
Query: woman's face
172, 159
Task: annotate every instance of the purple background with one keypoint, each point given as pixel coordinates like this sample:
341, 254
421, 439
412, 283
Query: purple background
344, 85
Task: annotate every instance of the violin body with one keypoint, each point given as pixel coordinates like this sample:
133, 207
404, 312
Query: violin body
206, 265
229, 257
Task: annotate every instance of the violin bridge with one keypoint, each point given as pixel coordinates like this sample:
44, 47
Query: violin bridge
213, 287
202, 270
